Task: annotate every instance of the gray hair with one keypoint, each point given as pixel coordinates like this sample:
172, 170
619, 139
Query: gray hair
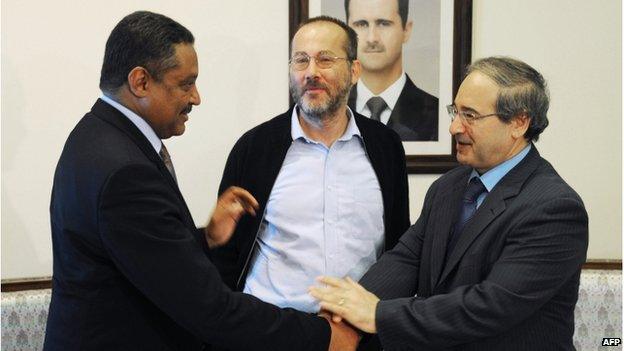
523, 91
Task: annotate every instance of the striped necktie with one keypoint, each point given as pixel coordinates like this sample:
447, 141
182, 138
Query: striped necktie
164, 154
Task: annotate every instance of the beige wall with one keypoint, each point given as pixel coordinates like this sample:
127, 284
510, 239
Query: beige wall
52, 52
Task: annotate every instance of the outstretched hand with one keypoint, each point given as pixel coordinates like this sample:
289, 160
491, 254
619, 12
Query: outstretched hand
231, 206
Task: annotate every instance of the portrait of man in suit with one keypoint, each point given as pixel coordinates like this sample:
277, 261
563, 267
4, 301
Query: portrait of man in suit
385, 92
494, 260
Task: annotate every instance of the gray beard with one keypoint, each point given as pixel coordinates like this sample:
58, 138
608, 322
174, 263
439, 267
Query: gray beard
322, 112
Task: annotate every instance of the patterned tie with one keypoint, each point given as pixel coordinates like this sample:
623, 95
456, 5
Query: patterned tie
376, 105
164, 154
469, 207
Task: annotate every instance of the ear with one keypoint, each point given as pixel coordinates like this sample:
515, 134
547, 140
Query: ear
356, 70
407, 31
520, 124
138, 80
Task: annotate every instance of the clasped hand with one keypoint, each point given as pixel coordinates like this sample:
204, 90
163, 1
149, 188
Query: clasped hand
345, 298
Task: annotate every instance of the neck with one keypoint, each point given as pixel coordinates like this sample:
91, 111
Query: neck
326, 129
518, 146
125, 98
378, 81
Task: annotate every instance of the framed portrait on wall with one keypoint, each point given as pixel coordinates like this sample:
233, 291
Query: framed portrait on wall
412, 54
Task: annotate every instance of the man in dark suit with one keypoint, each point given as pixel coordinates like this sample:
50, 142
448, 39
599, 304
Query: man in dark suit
131, 270
493, 262
385, 92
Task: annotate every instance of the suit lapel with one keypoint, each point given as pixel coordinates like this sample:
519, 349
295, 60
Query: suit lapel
113, 116
493, 206
447, 205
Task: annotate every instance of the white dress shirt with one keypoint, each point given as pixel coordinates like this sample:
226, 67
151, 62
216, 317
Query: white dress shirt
324, 216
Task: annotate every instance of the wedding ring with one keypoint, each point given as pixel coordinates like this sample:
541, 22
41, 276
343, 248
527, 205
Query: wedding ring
341, 302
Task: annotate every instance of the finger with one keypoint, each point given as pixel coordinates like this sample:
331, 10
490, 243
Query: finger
332, 281
355, 284
335, 309
321, 293
244, 197
334, 317
351, 282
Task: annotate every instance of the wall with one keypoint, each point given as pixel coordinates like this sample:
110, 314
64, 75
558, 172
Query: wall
52, 52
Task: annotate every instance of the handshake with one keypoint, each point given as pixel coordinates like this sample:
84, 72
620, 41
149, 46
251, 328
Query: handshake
348, 307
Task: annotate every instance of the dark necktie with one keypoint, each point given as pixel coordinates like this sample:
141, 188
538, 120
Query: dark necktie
376, 105
468, 209
164, 154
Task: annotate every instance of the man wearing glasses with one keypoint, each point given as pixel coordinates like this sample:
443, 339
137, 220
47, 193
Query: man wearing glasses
493, 262
331, 184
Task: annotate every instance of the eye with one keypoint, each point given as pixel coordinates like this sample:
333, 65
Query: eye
384, 23
187, 86
360, 24
325, 59
300, 59
470, 115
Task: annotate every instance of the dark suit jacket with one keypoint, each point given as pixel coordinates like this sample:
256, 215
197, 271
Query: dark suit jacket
511, 282
415, 115
129, 269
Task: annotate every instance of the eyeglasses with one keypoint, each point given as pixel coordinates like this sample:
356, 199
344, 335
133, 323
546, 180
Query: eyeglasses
468, 117
300, 62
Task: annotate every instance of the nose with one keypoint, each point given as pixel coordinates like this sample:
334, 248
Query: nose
456, 126
372, 35
312, 71
195, 98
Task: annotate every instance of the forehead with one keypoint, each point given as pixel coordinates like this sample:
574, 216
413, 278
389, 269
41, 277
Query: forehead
383, 9
478, 92
316, 37
186, 59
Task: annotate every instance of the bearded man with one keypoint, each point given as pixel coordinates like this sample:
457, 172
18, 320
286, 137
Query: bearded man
331, 184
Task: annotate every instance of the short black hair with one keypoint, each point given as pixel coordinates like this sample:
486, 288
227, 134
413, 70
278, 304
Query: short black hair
144, 39
403, 10
350, 46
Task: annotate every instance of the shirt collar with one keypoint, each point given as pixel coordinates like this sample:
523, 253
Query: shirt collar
137, 121
494, 175
297, 132
390, 95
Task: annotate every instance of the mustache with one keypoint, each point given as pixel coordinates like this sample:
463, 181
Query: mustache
461, 139
314, 85
187, 110
372, 47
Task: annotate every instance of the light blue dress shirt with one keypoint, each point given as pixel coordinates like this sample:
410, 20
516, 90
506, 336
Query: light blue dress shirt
494, 175
138, 122
324, 216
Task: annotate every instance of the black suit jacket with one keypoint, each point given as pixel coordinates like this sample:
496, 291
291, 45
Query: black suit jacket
511, 282
131, 271
415, 115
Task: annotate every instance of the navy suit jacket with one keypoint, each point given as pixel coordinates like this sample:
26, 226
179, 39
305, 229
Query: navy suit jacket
131, 270
415, 115
511, 283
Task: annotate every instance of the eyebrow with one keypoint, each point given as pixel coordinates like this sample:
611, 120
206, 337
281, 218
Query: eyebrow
465, 108
322, 52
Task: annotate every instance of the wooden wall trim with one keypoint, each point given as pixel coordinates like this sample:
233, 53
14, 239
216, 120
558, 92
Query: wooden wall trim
9, 285
603, 264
